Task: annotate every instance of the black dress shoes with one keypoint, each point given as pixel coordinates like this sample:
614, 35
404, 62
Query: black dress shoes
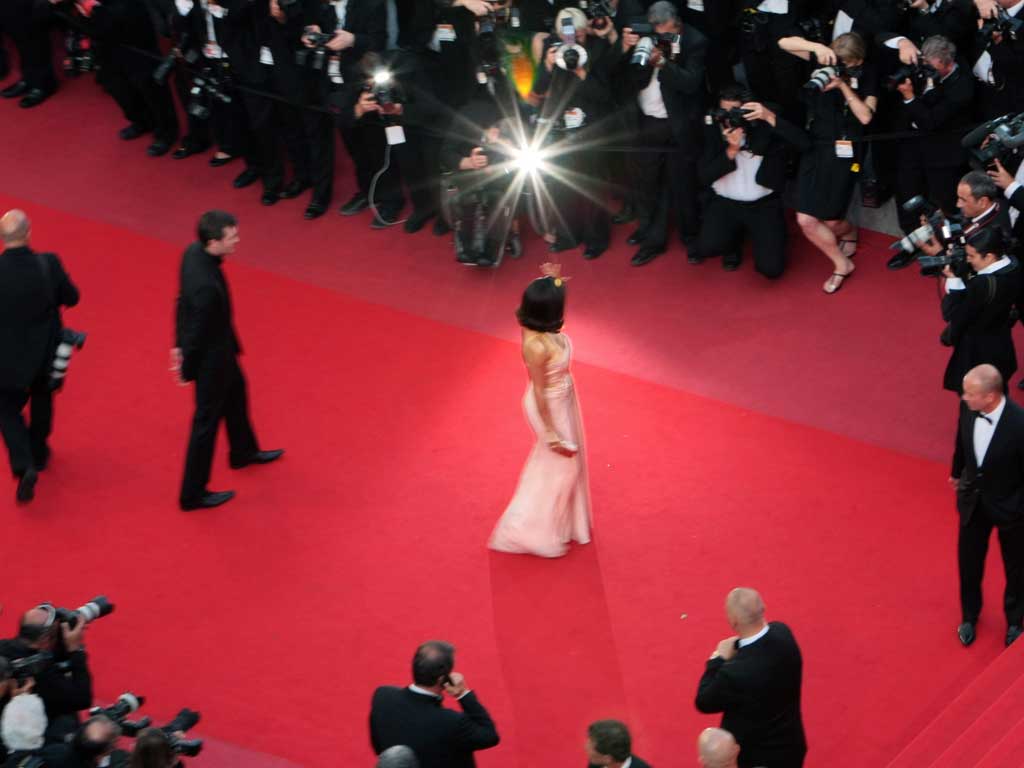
900, 260
260, 457
294, 189
33, 98
966, 633
20, 88
158, 149
731, 262
270, 197
245, 178
561, 245
645, 255
636, 238
208, 500
591, 253
315, 210
357, 204
187, 149
217, 162
441, 227
27, 486
416, 221
1012, 633
132, 131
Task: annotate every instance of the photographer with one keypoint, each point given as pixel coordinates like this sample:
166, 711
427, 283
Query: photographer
1012, 186
744, 164
22, 731
668, 90
936, 108
841, 99
979, 309
95, 744
65, 686
999, 58
33, 288
978, 200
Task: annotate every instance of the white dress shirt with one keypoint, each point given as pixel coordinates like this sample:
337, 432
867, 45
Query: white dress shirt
741, 185
341, 11
1018, 181
774, 6
650, 100
744, 642
983, 66
431, 694
983, 430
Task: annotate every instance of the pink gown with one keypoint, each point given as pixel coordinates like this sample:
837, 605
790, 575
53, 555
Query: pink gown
551, 505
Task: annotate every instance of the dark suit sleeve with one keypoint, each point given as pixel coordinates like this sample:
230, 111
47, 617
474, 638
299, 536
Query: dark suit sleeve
715, 692
1017, 198
67, 292
476, 730
934, 112
193, 325
959, 307
789, 133
958, 447
374, 37
714, 161
66, 694
687, 77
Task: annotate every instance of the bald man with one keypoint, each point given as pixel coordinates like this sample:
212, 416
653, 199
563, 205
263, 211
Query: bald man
33, 288
717, 749
988, 477
753, 678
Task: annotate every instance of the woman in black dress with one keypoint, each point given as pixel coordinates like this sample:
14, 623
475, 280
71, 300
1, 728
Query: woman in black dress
837, 115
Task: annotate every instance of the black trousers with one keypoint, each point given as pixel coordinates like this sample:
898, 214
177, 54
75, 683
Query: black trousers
26, 443
220, 394
143, 101
972, 548
727, 223
916, 176
318, 131
366, 145
581, 214
665, 176
35, 52
418, 162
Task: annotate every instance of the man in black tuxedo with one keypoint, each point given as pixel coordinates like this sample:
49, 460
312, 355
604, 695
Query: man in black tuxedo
413, 716
206, 352
33, 287
753, 678
717, 749
609, 744
988, 477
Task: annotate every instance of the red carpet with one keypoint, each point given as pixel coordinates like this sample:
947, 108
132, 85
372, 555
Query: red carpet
278, 614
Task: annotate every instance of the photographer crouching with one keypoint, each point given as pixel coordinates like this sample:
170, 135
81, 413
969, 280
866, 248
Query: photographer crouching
744, 164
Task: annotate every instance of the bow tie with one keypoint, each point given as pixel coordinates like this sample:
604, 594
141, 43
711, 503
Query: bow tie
980, 415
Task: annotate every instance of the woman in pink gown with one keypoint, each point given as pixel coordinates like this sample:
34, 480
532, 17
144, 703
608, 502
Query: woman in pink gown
551, 505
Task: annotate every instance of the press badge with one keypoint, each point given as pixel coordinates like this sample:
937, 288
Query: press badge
443, 33
481, 77
395, 134
212, 51
334, 70
266, 57
844, 149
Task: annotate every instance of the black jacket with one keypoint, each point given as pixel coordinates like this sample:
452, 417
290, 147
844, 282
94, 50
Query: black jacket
942, 116
758, 694
954, 20
762, 139
999, 483
979, 324
637, 763
29, 313
65, 689
440, 737
366, 19
204, 328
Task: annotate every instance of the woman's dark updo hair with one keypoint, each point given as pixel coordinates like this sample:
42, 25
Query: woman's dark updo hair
152, 750
543, 305
988, 240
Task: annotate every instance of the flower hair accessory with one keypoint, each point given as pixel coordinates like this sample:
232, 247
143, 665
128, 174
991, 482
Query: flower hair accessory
554, 271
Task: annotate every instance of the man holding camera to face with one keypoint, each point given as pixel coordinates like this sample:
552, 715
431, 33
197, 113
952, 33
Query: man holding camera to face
414, 716
744, 164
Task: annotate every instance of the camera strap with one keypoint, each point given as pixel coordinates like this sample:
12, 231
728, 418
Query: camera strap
44, 264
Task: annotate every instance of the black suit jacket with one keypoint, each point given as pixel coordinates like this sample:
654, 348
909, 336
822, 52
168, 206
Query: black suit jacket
999, 483
758, 694
440, 737
29, 313
367, 20
942, 115
204, 327
637, 763
762, 139
954, 19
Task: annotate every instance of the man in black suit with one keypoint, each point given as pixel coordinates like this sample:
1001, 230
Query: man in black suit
609, 744
33, 287
413, 716
988, 477
206, 352
670, 99
753, 678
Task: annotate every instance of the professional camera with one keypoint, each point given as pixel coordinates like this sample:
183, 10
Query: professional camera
598, 11
96, 608
30, 666
1003, 24
183, 721
729, 118
79, 57
70, 340
947, 230
1004, 134
666, 42
126, 704
314, 57
207, 87
570, 57
505, 16
919, 74
823, 76
384, 88
181, 51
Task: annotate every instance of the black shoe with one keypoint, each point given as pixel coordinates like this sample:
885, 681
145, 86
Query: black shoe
187, 149
561, 245
294, 189
636, 238
20, 88
624, 216
33, 98
900, 260
208, 500
966, 633
731, 262
217, 162
1013, 632
270, 197
646, 254
260, 457
158, 149
357, 204
245, 178
27, 486
441, 227
417, 220
384, 219
315, 210
484, 260
132, 131
592, 253
693, 257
